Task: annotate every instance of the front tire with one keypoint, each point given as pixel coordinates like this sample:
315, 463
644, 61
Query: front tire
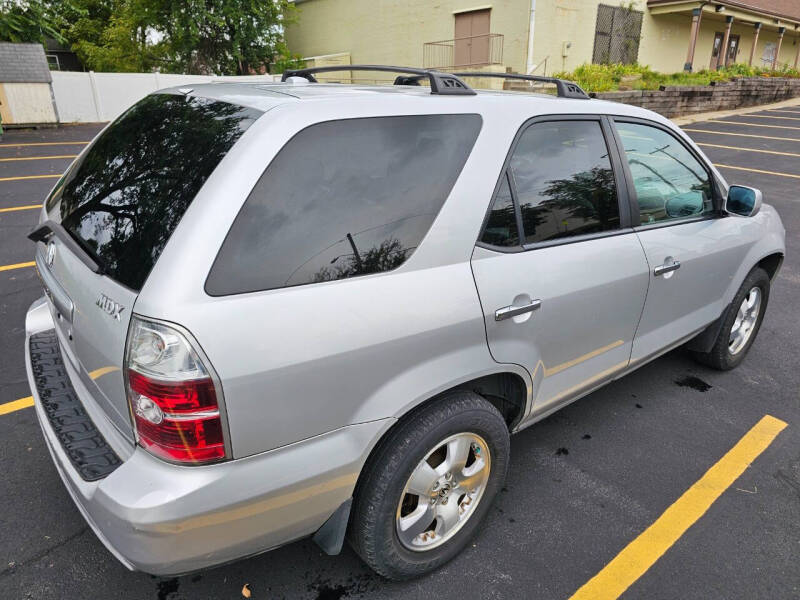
428, 486
741, 325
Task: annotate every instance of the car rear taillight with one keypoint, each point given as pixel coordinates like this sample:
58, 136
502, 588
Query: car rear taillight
174, 401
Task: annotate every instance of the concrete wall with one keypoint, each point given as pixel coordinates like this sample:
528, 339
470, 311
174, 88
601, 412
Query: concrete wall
665, 39
94, 97
393, 32
686, 100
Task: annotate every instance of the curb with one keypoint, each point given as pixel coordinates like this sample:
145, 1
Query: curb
707, 116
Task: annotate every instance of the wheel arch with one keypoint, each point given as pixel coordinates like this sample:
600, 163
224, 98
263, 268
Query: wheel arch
704, 341
506, 380
508, 389
771, 264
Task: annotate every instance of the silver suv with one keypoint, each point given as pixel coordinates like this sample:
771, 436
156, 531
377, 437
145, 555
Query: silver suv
308, 309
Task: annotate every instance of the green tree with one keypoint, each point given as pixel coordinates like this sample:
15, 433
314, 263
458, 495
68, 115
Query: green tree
222, 36
185, 36
28, 21
113, 35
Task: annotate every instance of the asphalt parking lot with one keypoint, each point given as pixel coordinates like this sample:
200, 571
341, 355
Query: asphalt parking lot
583, 483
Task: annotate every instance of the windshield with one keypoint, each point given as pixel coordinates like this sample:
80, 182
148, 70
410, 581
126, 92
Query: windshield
124, 197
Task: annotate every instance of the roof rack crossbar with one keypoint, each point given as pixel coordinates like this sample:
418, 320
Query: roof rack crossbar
565, 89
444, 84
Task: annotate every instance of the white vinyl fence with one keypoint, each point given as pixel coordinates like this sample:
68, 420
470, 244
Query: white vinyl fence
95, 97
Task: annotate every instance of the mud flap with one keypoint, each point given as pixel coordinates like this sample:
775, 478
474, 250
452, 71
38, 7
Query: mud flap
330, 537
705, 340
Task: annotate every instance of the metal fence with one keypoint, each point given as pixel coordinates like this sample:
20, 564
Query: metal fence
617, 34
471, 51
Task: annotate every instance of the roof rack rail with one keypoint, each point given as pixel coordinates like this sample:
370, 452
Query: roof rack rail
444, 84
565, 89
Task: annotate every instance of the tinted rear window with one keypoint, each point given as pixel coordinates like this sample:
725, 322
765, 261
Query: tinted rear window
564, 181
123, 198
344, 198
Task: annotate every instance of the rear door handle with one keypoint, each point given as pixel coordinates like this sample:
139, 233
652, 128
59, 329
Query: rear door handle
507, 312
667, 268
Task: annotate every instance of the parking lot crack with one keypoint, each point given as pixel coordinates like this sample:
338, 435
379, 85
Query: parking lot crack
788, 480
12, 567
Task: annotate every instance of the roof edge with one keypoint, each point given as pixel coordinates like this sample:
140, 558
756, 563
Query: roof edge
736, 4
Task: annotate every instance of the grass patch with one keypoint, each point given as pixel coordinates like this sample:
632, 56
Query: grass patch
609, 77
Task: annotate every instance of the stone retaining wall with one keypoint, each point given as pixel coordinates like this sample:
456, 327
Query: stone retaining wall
676, 101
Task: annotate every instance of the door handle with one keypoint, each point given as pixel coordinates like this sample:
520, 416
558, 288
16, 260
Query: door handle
507, 312
667, 268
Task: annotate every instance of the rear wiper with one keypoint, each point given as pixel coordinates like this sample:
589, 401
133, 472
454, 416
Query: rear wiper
48, 228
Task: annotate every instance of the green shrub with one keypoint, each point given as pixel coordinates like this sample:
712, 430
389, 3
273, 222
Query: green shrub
607, 77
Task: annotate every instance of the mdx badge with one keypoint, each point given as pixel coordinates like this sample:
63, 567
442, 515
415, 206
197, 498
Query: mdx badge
51, 254
108, 306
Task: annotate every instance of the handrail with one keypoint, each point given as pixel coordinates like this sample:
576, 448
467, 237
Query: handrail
536, 67
465, 52
564, 88
443, 84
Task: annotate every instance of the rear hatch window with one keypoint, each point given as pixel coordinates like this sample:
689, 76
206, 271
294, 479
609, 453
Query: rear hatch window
122, 199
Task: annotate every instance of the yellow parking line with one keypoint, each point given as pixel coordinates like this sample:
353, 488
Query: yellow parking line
759, 171
752, 124
778, 110
773, 117
29, 177
642, 553
747, 149
38, 157
27, 402
43, 144
16, 266
13, 208
748, 135
10, 407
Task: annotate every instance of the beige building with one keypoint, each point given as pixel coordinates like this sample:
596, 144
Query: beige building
545, 36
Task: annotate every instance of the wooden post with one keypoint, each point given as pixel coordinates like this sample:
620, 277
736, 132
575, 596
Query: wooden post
696, 16
756, 30
797, 56
725, 40
781, 31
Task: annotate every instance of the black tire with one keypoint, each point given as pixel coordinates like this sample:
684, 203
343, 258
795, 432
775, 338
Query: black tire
720, 356
372, 531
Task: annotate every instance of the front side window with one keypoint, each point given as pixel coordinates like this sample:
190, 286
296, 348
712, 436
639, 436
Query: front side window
564, 181
342, 199
670, 182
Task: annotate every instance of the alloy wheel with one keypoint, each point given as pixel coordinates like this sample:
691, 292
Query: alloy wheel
745, 322
443, 491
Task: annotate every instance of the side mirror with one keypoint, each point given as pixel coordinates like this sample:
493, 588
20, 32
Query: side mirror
743, 201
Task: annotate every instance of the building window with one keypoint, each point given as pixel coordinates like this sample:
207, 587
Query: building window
617, 34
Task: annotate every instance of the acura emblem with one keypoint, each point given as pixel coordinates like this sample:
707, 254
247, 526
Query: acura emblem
51, 254
108, 306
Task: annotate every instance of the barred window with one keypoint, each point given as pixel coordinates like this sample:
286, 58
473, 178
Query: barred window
617, 34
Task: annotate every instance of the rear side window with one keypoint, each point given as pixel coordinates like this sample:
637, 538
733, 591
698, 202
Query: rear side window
563, 180
501, 226
123, 199
343, 198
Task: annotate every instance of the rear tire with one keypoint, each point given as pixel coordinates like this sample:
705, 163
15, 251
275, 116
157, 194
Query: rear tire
741, 325
457, 449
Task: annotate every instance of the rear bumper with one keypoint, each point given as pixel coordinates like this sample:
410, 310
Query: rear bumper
167, 520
